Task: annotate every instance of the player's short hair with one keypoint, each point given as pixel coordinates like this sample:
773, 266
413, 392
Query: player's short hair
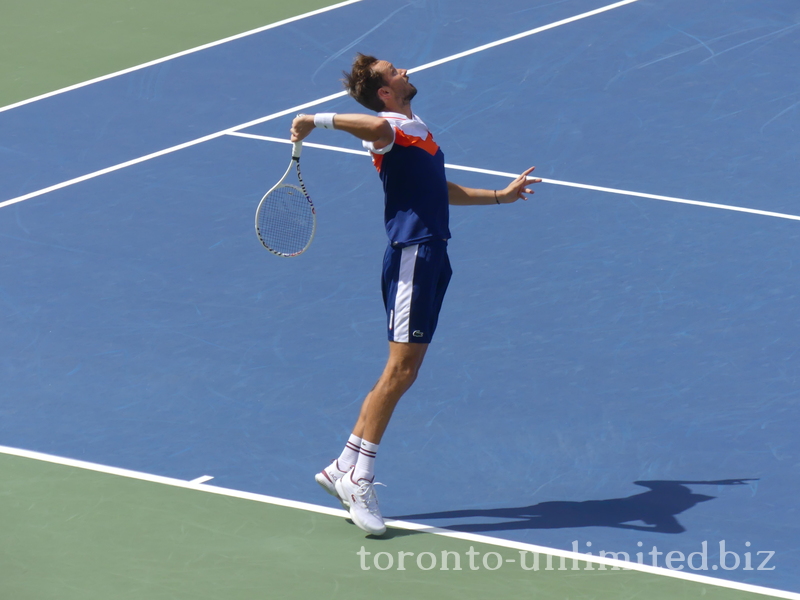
363, 82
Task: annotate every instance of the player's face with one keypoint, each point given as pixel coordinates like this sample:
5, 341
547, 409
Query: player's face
397, 82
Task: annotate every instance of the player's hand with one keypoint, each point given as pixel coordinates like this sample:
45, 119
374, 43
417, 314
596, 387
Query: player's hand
301, 127
517, 189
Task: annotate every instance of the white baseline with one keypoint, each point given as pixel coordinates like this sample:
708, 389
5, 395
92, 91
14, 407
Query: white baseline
298, 108
470, 537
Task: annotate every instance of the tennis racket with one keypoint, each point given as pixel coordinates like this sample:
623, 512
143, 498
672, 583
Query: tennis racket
285, 217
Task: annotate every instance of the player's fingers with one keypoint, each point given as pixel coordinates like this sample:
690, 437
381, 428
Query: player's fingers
521, 178
298, 133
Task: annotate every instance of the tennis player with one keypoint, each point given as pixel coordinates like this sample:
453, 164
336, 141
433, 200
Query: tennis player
416, 269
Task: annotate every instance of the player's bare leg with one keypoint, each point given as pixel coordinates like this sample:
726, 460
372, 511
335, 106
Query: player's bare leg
399, 374
356, 487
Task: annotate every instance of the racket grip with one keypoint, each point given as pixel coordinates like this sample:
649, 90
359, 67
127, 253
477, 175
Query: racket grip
297, 148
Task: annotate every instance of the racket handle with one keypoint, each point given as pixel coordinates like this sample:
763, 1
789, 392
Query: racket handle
297, 148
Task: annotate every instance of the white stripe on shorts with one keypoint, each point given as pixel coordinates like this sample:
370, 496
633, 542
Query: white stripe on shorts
405, 287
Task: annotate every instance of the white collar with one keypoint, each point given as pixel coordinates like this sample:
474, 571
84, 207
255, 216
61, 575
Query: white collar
394, 115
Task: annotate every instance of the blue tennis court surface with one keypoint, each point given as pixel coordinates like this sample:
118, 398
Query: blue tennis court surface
609, 370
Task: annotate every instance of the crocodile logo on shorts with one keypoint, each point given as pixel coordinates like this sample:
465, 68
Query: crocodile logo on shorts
418, 334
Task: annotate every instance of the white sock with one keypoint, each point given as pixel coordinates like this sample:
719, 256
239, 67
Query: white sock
365, 467
349, 455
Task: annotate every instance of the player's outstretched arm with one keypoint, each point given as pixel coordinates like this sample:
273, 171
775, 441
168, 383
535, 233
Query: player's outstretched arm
365, 127
515, 190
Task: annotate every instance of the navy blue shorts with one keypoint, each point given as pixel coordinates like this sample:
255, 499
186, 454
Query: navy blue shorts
415, 280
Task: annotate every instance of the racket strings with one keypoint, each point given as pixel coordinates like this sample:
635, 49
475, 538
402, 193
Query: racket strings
286, 221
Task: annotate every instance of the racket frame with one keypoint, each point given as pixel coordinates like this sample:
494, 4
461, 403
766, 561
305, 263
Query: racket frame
297, 149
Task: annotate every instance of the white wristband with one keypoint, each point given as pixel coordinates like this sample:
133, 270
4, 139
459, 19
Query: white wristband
324, 120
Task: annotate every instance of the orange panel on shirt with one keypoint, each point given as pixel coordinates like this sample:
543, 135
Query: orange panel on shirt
405, 140
428, 144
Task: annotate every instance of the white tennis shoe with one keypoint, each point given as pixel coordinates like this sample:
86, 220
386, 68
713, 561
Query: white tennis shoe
363, 503
327, 480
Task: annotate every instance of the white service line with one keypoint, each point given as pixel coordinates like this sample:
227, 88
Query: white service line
267, 138
294, 109
596, 188
421, 528
177, 55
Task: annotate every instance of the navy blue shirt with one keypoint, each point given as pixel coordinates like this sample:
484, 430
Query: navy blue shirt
414, 183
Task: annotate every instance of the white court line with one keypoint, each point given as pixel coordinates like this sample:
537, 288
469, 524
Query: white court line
202, 479
470, 537
267, 138
519, 36
294, 109
544, 180
164, 152
177, 55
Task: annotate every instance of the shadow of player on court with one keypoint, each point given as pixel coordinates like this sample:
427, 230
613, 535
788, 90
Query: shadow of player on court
656, 508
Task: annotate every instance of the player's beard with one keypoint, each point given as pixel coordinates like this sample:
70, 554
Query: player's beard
411, 93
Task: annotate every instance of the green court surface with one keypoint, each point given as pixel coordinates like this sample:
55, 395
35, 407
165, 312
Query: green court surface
70, 533
46, 45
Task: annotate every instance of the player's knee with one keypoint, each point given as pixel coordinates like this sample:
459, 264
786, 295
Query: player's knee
408, 374
405, 372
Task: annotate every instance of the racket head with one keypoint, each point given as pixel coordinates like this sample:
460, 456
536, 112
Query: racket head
286, 220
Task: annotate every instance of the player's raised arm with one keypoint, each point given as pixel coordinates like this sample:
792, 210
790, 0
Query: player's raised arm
365, 127
516, 190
